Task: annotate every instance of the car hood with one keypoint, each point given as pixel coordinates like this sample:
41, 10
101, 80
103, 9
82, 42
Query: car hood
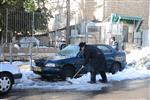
61, 59
54, 59
57, 57
9, 68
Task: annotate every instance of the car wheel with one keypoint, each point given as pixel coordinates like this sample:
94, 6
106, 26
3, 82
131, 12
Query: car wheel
115, 68
6, 82
68, 71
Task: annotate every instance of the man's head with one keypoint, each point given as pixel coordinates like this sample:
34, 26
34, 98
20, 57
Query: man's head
82, 45
113, 38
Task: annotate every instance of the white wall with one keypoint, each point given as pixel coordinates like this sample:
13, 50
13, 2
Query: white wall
148, 31
146, 37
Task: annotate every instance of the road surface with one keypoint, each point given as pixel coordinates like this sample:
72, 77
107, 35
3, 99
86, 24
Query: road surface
124, 90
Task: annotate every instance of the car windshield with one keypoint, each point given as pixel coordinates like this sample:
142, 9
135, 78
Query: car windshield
70, 50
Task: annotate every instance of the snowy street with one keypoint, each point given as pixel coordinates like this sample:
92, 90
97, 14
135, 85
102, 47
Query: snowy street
123, 90
138, 68
136, 75
74, 49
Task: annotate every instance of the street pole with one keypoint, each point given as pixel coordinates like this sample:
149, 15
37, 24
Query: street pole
6, 25
33, 28
104, 10
10, 53
149, 25
68, 23
86, 35
30, 54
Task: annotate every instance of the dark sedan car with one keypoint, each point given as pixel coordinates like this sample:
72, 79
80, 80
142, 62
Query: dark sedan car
68, 61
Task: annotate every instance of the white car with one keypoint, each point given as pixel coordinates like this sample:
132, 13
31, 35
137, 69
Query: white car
9, 75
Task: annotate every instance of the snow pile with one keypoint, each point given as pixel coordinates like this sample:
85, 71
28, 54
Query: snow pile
130, 73
31, 80
138, 57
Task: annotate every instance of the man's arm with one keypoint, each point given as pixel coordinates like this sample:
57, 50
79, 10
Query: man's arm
86, 56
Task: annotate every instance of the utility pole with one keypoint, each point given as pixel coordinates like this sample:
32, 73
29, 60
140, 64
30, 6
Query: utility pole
6, 25
68, 34
103, 10
33, 28
149, 23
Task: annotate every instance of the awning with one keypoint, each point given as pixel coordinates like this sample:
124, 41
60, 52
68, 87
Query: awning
116, 18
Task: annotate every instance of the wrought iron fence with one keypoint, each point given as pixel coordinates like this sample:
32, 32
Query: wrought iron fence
20, 23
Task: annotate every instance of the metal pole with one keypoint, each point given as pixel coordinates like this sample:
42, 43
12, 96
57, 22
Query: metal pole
86, 35
6, 24
85, 24
75, 28
55, 39
30, 52
149, 26
68, 22
30, 44
10, 53
104, 9
33, 24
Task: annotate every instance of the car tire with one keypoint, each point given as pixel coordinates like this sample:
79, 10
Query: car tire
115, 68
68, 71
6, 82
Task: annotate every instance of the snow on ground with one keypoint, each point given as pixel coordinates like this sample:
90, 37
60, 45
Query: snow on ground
134, 70
138, 54
78, 84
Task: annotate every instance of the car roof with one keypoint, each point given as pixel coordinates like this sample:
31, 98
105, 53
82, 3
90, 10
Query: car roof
94, 45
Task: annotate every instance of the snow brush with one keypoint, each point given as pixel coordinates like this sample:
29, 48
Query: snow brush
68, 79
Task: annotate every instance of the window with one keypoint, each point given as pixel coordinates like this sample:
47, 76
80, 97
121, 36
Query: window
105, 49
93, 29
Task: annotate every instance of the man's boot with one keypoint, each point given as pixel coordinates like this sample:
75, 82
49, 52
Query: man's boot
104, 77
91, 82
103, 81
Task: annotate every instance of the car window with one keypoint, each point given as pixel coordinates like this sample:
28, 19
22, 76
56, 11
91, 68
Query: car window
80, 55
105, 49
70, 50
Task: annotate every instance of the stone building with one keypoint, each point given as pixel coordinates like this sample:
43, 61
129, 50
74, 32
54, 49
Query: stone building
102, 9
83, 11
128, 7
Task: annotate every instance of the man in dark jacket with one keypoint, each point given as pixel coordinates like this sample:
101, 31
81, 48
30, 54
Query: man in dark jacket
96, 59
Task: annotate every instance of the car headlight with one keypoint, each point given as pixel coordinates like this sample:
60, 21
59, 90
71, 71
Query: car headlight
50, 65
119, 58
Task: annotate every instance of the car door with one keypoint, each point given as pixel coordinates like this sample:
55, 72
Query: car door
79, 63
109, 54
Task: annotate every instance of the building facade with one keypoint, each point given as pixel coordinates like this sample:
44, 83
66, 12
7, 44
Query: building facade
102, 9
128, 7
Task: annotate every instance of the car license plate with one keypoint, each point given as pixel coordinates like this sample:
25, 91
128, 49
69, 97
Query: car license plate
38, 69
